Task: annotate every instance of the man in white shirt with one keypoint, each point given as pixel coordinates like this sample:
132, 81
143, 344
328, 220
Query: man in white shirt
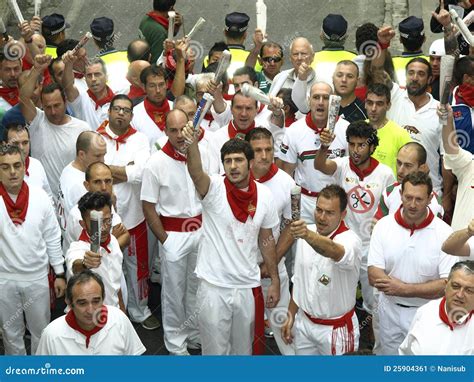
53, 133
406, 262
445, 326
239, 216
325, 280
90, 148
461, 243
127, 152
301, 143
31, 239
90, 327
280, 185
9, 72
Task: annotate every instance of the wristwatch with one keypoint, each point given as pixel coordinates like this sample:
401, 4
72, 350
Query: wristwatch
61, 276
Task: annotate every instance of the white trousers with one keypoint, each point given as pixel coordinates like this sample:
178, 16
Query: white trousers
178, 290
28, 298
368, 291
226, 319
314, 339
394, 324
277, 316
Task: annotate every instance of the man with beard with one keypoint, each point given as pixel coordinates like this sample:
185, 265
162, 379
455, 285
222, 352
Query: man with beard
363, 178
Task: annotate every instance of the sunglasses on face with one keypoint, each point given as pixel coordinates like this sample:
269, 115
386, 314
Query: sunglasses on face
271, 59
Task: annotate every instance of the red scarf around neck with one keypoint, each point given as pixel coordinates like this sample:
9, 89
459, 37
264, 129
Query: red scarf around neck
105, 100
169, 150
136, 92
289, 120
11, 95
444, 316
373, 163
163, 21
270, 174
16, 210
121, 139
85, 237
401, 221
27, 166
242, 203
78, 75
312, 125
465, 95
157, 113
342, 228
208, 117
234, 133
102, 320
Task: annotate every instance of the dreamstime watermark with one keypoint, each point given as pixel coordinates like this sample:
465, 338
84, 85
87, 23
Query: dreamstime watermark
45, 370
18, 313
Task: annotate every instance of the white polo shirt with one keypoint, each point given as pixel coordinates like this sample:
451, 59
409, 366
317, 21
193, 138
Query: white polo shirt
363, 195
36, 177
137, 151
110, 268
71, 189
142, 122
300, 145
415, 258
429, 335
27, 249
323, 287
86, 109
228, 255
117, 337
426, 120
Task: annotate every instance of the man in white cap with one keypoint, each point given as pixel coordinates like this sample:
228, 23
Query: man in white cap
436, 51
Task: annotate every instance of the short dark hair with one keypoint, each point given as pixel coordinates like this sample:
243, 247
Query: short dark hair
349, 63
4, 57
422, 61
335, 191
258, 133
418, 178
380, 90
239, 93
16, 127
234, 35
412, 44
82, 278
464, 65
271, 44
247, 71
420, 151
466, 265
51, 88
362, 129
9, 149
285, 95
119, 97
93, 201
152, 70
219, 46
134, 53
163, 5
237, 146
92, 166
365, 33
64, 46
51, 65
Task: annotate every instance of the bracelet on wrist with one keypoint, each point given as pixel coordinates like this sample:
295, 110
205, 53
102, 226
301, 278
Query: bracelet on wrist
384, 45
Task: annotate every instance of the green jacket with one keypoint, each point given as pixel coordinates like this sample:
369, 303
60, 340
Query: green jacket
155, 34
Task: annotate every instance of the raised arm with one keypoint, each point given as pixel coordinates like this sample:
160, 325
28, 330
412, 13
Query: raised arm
456, 244
251, 60
68, 77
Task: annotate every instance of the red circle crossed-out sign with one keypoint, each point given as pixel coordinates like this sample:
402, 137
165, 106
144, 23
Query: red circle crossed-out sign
360, 200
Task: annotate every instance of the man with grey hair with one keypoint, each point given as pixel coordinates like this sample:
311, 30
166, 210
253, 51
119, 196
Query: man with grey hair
444, 326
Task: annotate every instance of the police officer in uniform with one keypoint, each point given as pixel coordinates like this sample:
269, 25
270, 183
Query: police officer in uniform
54, 31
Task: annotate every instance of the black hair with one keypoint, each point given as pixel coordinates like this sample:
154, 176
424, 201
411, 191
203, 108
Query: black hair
335, 191
163, 5
423, 61
418, 178
237, 146
380, 90
362, 129
247, 71
152, 70
465, 65
81, 278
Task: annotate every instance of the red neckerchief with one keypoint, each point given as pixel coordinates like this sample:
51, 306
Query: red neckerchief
136, 92
46, 76
85, 237
78, 75
11, 95
262, 106
102, 320
227, 97
157, 113
209, 117
289, 121
233, 132
121, 138
242, 203
169, 150
312, 125
270, 174
444, 316
27, 165
465, 95
101, 102
16, 210
373, 163
163, 21
342, 228
425, 223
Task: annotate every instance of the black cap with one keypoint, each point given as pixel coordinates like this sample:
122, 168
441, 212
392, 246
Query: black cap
411, 28
102, 28
236, 22
54, 24
334, 27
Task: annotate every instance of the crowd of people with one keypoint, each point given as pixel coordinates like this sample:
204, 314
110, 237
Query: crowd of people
384, 224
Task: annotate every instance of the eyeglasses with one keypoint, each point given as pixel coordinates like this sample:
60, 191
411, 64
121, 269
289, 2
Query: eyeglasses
118, 109
272, 58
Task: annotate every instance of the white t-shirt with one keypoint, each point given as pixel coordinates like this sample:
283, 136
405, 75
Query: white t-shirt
71, 189
84, 108
300, 145
429, 335
228, 255
427, 122
322, 287
110, 268
54, 145
415, 258
363, 196
37, 177
117, 337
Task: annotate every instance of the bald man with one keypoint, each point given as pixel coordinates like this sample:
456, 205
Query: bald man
137, 91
